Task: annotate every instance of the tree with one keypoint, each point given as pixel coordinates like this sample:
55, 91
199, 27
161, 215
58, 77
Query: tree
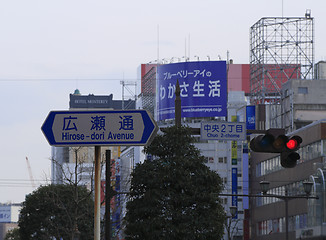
55, 211
13, 235
171, 196
231, 227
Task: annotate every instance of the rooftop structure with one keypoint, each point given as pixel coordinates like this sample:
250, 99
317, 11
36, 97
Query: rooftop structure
281, 48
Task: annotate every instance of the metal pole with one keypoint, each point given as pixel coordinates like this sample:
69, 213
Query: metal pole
286, 200
97, 204
177, 105
107, 195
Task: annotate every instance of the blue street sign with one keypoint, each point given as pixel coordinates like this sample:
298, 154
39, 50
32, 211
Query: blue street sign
224, 131
97, 128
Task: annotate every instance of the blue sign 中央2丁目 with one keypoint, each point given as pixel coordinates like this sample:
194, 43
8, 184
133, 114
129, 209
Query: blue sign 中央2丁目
203, 89
224, 131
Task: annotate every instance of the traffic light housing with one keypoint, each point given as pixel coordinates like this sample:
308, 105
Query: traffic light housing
275, 141
289, 157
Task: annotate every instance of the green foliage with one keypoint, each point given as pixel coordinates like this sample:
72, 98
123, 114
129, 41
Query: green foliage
13, 235
171, 196
54, 210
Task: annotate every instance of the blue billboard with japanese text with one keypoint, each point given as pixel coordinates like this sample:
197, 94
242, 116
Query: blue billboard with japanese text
203, 89
251, 117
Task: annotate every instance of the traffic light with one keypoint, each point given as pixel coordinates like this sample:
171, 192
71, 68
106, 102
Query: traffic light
289, 157
275, 141
272, 142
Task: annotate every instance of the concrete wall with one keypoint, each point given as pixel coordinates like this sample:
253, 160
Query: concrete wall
303, 102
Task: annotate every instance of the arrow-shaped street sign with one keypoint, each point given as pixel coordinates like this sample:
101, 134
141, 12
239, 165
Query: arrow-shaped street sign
97, 128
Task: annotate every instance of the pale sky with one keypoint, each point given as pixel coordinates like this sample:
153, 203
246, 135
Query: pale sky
50, 48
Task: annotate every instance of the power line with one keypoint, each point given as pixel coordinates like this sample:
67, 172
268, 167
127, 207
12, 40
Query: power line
64, 79
23, 180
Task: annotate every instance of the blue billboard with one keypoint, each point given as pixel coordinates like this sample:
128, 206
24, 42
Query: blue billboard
203, 89
251, 117
235, 189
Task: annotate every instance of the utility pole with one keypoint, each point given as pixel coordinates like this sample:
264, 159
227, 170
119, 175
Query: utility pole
97, 202
107, 195
177, 105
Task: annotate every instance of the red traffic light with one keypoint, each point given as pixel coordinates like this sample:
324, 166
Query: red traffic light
294, 143
290, 156
275, 141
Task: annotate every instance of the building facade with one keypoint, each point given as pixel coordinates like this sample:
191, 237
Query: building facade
268, 214
303, 113
303, 102
9, 215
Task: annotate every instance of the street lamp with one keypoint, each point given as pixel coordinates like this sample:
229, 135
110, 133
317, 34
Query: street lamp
307, 186
264, 186
233, 210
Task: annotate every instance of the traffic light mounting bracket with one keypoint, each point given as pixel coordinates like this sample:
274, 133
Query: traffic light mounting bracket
279, 131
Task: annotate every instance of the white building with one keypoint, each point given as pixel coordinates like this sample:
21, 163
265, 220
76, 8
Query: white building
9, 216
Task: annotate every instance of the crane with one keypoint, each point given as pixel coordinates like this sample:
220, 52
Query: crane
30, 173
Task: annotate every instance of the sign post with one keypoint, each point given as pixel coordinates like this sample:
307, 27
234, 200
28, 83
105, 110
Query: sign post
97, 201
99, 128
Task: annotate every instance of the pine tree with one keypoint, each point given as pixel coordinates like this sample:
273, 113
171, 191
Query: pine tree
173, 196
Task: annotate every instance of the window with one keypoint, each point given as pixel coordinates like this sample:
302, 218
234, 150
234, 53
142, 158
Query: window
225, 180
303, 90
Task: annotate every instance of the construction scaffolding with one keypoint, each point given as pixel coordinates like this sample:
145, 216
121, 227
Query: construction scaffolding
131, 94
281, 48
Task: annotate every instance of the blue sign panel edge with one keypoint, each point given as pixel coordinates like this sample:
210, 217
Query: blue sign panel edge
148, 123
47, 128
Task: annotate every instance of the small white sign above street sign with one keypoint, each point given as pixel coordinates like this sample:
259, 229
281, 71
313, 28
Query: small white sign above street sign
224, 131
